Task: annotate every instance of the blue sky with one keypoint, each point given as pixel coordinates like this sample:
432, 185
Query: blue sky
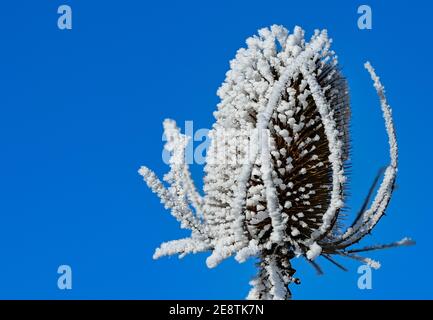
81, 110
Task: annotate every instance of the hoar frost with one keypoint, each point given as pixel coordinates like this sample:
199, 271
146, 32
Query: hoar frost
274, 185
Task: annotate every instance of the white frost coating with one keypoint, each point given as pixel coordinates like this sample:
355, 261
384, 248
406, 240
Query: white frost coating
178, 210
316, 44
278, 227
247, 252
175, 197
371, 216
335, 157
194, 197
156, 186
295, 232
223, 249
314, 251
278, 289
180, 174
241, 194
373, 263
244, 211
181, 246
370, 262
387, 114
259, 288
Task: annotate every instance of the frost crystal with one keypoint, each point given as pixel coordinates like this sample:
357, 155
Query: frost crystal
275, 174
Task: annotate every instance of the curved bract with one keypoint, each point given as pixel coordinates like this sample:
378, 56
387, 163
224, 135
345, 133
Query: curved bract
275, 172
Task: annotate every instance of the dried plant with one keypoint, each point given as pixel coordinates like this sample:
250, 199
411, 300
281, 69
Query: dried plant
275, 172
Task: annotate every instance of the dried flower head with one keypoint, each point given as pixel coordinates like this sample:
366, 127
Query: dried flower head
275, 172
